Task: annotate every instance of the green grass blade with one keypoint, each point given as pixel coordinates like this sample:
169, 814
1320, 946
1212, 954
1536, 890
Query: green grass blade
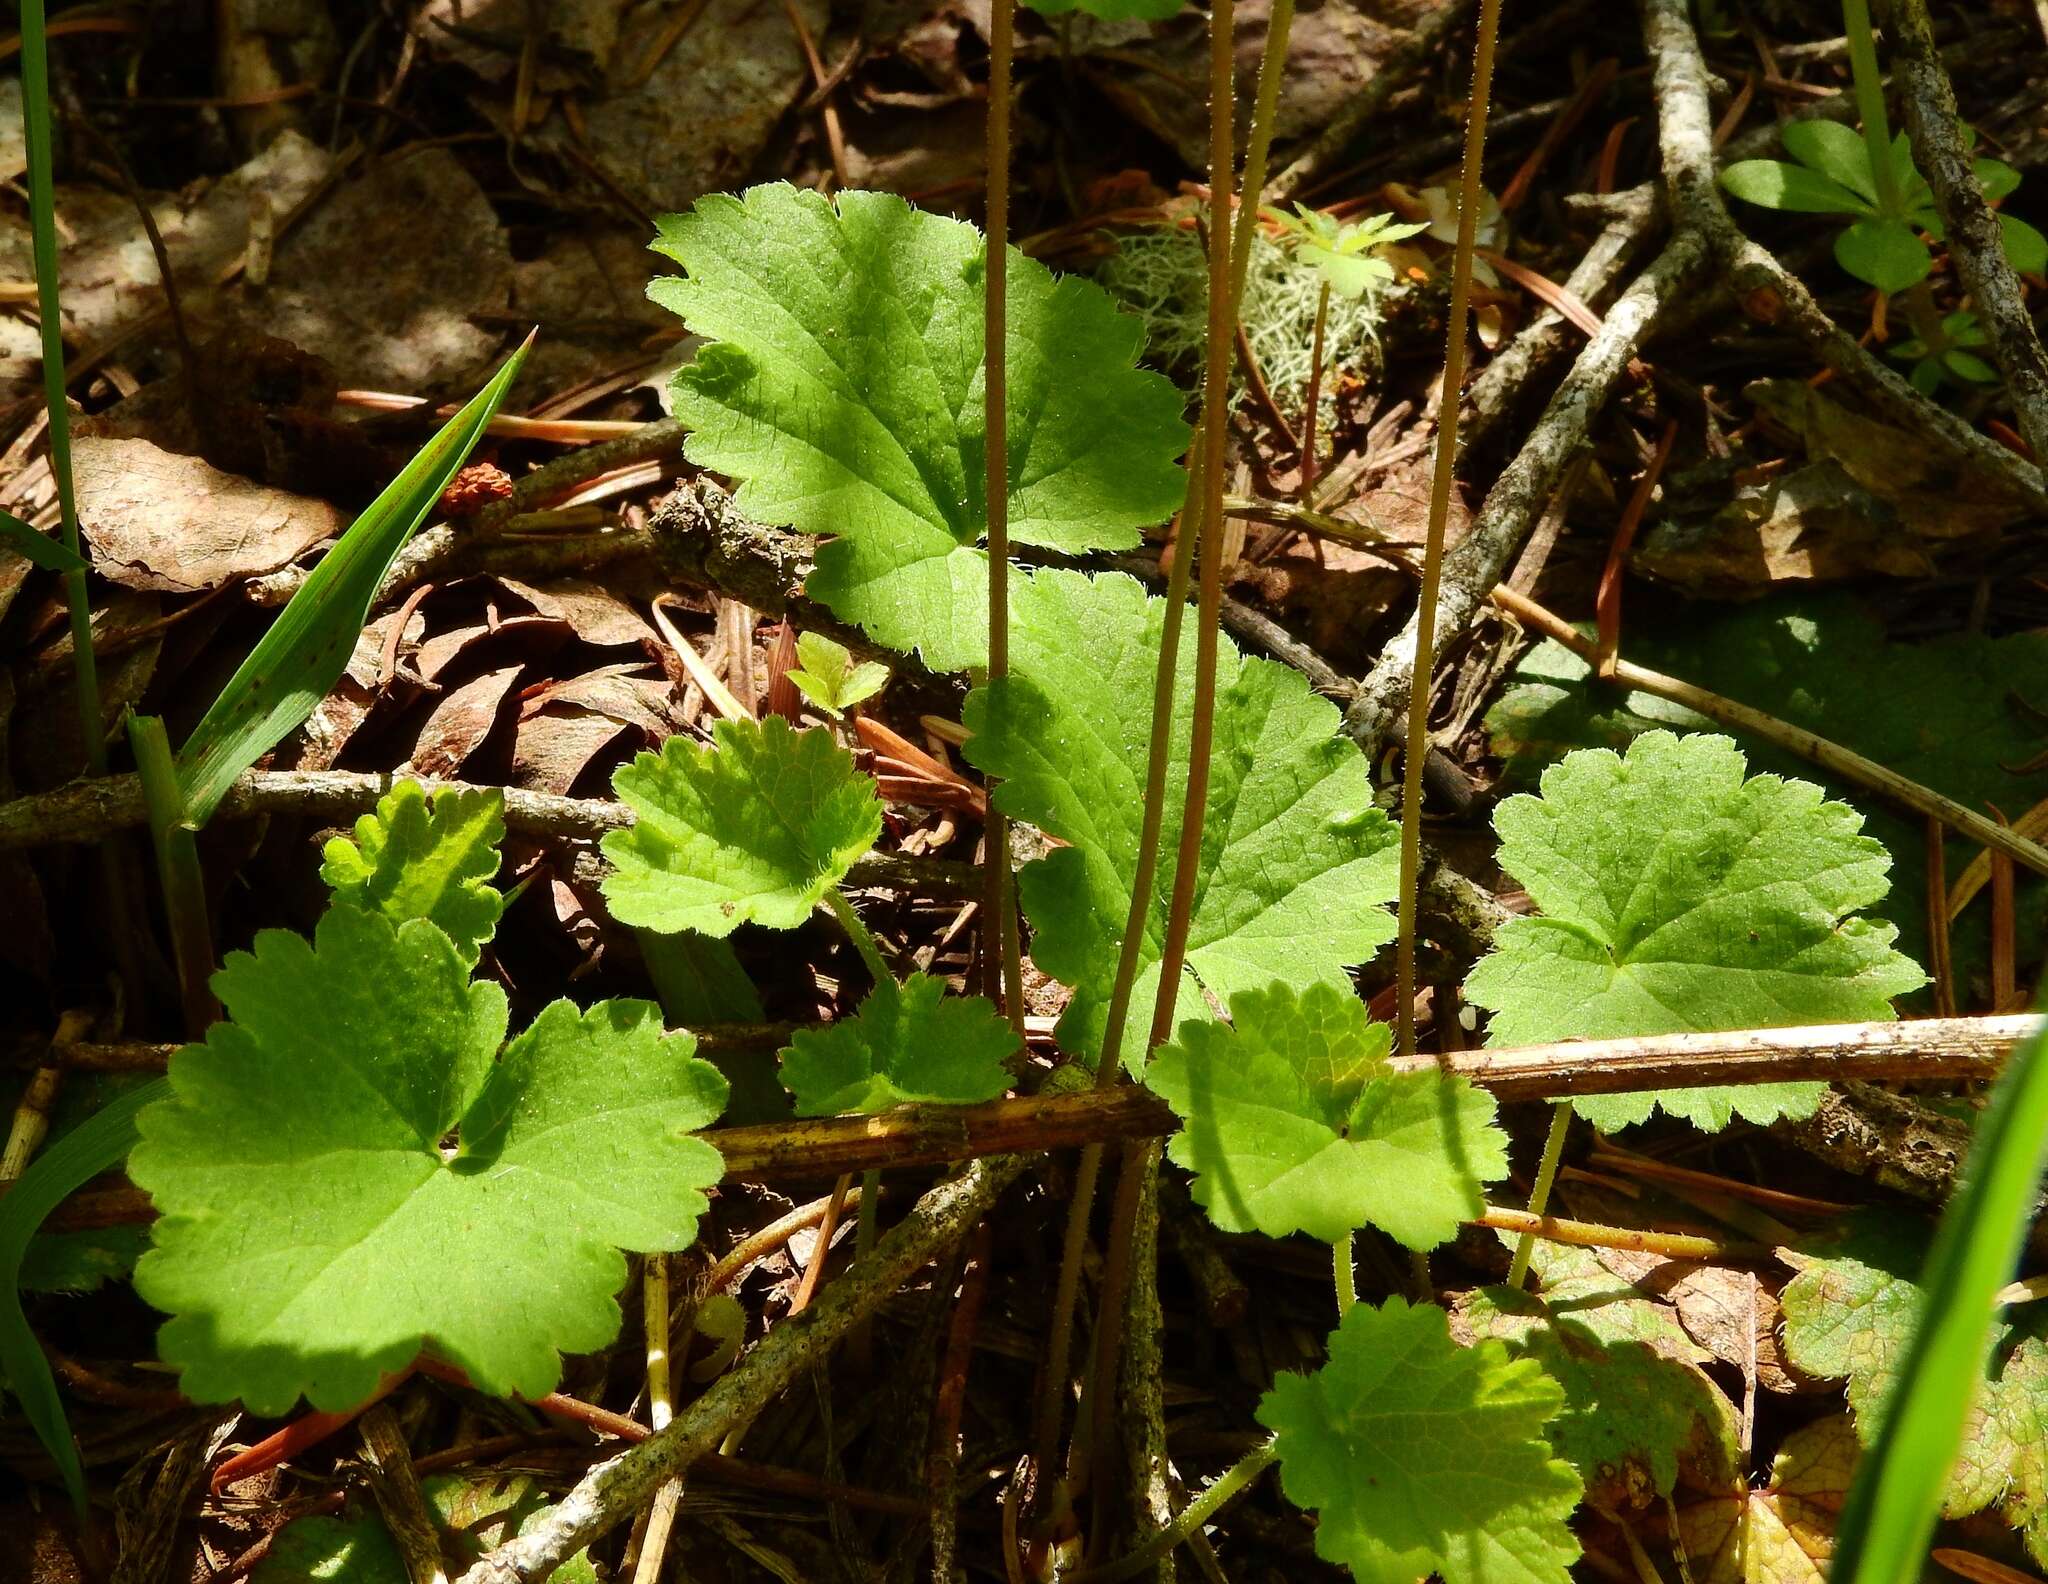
38, 547
1898, 1491
94, 1146
42, 211
307, 647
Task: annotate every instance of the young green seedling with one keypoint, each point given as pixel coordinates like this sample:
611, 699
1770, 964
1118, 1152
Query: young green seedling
1957, 358
1346, 255
1883, 244
827, 675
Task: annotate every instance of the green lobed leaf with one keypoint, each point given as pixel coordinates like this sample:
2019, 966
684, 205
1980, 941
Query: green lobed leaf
1851, 1313
474, 1515
1676, 895
412, 859
912, 1042
755, 829
1419, 1456
1297, 864
313, 1235
843, 388
828, 677
1632, 1418
1293, 1122
306, 649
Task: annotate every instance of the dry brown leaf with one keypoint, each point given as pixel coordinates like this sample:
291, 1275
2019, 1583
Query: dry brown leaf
598, 616
1784, 1533
461, 722
156, 520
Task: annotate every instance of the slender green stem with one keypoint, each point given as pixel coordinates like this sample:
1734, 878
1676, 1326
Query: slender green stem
1347, 1278
1868, 82
1439, 514
177, 862
1310, 411
862, 937
1003, 965
1539, 1192
1188, 1520
42, 206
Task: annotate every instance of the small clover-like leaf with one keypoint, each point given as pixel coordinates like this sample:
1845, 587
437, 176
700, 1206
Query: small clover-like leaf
828, 677
1678, 895
909, 1043
1293, 1122
1422, 1457
843, 388
1344, 254
755, 829
413, 859
1297, 863
313, 1234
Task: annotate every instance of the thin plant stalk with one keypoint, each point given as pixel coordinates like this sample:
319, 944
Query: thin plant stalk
1306, 493
1152, 819
1539, 1192
860, 935
177, 863
1003, 965
42, 204
1439, 514
1867, 81
1346, 1278
1190, 1519
870, 951
661, 1512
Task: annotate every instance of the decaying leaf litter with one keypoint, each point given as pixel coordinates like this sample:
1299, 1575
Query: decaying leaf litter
618, 614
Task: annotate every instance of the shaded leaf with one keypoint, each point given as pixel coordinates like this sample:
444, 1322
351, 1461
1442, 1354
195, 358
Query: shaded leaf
912, 1042
1419, 1456
1297, 863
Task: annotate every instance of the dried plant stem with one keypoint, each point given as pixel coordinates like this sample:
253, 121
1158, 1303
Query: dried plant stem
1439, 516
1235, 252
1002, 962
1832, 756
661, 1512
1586, 1234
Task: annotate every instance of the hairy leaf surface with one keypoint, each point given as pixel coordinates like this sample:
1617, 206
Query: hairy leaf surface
1293, 1122
843, 388
1422, 1457
1676, 894
314, 1235
754, 829
909, 1043
1297, 865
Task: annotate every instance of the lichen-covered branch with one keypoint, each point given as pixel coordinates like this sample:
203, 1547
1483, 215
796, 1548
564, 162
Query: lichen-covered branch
1974, 241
